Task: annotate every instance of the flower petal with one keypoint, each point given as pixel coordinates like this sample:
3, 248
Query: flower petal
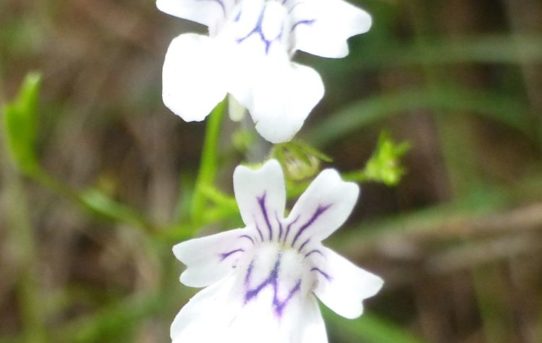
207, 12
261, 197
218, 314
203, 318
321, 27
211, 258
302, 323
254, 323
193, 78
322, 208
282, 101
342, 285
279, 95
313, 329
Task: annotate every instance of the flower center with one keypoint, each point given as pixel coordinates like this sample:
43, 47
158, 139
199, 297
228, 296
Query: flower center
276, 274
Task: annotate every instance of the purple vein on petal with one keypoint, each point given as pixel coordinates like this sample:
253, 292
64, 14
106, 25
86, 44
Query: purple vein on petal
273, 281
302, 22
225, 255
238, 16
288, 227
258, 229
249, 238
312, 252
270, 280
303, 244
281, 229
263, 208
319, 211
249, 273
321, 272
279, 305
258, 30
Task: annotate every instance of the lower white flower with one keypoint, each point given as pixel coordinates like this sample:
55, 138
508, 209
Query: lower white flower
262, 280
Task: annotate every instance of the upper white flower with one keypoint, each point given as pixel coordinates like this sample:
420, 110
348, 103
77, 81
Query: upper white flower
248, 55
262, 280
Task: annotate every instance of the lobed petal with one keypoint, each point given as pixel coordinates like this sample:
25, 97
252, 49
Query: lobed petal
203, 318
218, 314
211, 258
321, 27
279, 95
322, 208
261, 197
313, 329
193, 77
282, 100
342, 286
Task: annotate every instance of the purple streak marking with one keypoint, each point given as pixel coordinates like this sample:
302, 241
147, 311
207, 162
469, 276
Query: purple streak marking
258, 30
258, 229
289, 226
263, 208
321, 272
225, 255
273, 281
302, 22
280, 305
319, 211
249, 238
280, 226
238, 16
249, 274
304, 244
312, 252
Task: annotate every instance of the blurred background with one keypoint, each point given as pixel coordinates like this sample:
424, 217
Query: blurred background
85, 251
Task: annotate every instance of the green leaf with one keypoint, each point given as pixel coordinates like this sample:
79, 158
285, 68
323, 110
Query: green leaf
491, 105
113, 322
20, 121
102, 205
503, 49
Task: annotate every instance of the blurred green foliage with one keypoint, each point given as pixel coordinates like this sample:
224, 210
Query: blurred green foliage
384, 165
20, 121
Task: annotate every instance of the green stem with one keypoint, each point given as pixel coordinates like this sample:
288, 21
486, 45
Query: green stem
208, 165
22, 236
110, 209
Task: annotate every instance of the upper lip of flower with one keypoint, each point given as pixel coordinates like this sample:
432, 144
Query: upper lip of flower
277, 263
323, 22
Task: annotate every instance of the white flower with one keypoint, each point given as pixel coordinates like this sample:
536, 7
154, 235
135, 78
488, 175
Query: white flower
248, 54
262, 280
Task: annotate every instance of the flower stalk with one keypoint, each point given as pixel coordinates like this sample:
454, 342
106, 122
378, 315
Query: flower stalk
208, 166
